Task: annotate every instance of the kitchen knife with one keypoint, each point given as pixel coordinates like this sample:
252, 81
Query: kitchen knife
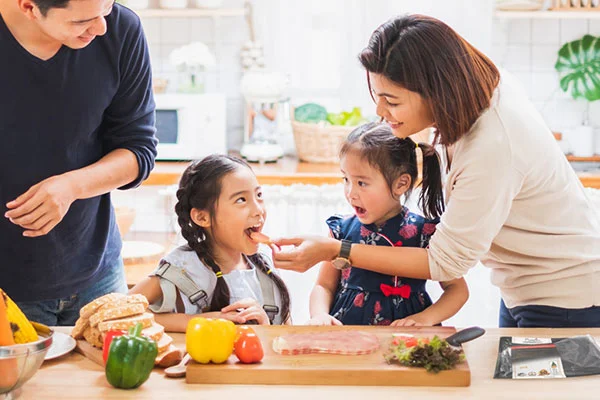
464, 335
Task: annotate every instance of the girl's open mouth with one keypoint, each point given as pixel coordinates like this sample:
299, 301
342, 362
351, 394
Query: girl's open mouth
254, 228
360, 212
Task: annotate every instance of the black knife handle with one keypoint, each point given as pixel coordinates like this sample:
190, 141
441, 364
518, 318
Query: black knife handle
465, 335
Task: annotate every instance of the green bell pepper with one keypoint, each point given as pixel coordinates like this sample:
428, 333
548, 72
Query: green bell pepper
130, 359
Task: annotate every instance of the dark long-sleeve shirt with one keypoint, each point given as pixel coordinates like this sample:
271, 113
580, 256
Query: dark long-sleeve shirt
63, 114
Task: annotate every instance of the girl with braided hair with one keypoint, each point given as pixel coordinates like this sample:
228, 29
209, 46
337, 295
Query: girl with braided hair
221, 272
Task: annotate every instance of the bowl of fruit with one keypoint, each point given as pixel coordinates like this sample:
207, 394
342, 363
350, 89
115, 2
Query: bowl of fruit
23, 346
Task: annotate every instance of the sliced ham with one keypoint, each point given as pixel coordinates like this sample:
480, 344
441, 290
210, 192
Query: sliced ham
331, 342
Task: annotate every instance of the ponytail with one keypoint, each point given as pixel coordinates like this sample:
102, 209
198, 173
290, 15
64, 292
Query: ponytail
431, 197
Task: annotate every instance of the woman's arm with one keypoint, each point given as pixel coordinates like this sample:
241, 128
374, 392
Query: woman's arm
409, 262
322, 294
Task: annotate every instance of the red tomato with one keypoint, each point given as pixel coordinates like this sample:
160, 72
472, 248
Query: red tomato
107, 341
248, 348
243, 329
411, 342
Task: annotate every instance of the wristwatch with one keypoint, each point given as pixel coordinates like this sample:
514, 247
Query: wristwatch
342, 261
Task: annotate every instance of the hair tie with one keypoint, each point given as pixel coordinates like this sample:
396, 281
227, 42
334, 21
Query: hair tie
416, 146
269, 272
219, 274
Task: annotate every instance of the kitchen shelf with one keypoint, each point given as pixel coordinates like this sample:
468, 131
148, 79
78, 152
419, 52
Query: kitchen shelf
548, 14
190, 12
584, 159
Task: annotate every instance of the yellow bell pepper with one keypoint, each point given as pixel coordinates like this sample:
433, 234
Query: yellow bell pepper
210, 340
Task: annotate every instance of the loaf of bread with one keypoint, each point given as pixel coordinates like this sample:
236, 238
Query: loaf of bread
116, 311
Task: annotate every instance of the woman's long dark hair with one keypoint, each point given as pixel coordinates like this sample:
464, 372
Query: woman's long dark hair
392, 156
200, 188
426, 56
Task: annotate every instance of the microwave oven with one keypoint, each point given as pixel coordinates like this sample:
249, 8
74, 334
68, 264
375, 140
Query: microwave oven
190, 126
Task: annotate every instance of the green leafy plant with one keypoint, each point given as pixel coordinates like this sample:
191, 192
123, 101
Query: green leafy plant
578, 66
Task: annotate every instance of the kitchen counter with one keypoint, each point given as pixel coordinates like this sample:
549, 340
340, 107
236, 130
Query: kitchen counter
74, 376
289, 170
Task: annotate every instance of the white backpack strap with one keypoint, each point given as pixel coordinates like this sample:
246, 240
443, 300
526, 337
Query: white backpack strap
184, 283
268, 292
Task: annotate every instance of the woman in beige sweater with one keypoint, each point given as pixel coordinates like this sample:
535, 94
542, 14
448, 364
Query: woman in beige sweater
513, 201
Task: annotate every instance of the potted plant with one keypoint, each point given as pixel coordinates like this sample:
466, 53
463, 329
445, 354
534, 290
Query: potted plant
578, 66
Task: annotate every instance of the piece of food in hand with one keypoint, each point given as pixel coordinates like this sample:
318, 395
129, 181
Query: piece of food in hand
330, 342
210, 340
23, 330
9, 372
248, 348
130, 360
261, 238
434, 355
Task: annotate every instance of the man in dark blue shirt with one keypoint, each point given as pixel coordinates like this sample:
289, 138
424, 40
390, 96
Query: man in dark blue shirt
76, 121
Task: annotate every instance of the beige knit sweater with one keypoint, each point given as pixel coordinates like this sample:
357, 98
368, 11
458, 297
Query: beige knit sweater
515, 204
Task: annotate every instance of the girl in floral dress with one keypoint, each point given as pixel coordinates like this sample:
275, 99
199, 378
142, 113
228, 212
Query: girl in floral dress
378, 170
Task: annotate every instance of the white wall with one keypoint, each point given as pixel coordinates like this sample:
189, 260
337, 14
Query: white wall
528, 48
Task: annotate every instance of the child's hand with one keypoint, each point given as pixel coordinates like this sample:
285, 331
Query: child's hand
413, 320
324, 319
249, 309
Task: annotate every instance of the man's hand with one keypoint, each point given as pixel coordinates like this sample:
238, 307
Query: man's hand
250, 310
307, 252
43, 206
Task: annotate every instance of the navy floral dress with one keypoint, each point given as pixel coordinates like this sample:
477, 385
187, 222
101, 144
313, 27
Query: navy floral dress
370, 298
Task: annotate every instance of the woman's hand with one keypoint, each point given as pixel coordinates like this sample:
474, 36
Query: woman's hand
324, 319
413, 320
307, 252
43, 206
249, 309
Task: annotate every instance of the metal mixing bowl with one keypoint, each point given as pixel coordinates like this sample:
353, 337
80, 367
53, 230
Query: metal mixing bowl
24, 358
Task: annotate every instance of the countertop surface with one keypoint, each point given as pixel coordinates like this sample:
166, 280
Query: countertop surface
74, 376
289, 170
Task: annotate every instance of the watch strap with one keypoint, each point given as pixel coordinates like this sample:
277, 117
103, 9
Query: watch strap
345, 249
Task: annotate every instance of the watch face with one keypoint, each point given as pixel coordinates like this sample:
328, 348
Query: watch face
340, 263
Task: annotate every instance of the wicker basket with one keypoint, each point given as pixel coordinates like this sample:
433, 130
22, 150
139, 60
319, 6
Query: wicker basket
319, 143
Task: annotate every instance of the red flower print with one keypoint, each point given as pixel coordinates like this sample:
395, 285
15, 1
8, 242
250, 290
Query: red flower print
377, 308
346, 273
364, 231
408, 231
428, 229
398, 243
359, 300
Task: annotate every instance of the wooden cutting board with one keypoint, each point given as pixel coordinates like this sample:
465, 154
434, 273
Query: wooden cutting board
89, 351
328, 369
